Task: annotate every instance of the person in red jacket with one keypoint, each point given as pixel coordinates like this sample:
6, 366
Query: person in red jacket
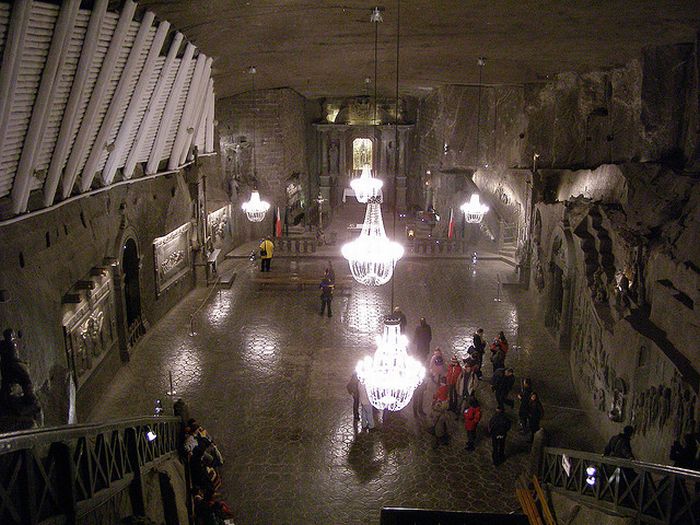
472, 416
454, 371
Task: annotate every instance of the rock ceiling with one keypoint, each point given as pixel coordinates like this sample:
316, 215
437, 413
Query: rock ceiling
322, 48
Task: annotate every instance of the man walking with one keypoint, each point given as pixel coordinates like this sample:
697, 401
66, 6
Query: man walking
266, 249
326, 295
498, 428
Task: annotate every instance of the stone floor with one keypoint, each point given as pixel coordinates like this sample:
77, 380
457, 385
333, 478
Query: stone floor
266, 376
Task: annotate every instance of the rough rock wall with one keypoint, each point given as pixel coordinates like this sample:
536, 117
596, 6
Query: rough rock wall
447, 134
280, 128
640, 112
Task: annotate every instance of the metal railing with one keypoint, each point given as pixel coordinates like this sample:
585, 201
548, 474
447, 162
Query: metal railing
649, 493
65, 473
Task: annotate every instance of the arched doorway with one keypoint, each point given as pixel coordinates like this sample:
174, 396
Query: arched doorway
132, 287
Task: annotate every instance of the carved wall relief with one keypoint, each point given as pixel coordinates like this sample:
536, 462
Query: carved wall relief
592, 363
219, 223
171, 255
659, 405
90, 330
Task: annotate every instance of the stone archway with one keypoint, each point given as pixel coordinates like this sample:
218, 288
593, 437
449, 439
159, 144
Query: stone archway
561, 270
132, 284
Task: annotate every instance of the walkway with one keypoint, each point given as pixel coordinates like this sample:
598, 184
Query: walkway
266, 375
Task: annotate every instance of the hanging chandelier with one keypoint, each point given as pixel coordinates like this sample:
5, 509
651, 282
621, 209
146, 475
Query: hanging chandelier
366, 186
372, 255
390, 376
474, 210
255, 209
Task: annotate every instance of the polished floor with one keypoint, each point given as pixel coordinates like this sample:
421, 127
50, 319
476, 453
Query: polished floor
266, 375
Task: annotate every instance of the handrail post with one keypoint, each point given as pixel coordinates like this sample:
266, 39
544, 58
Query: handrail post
138, 498
66, 473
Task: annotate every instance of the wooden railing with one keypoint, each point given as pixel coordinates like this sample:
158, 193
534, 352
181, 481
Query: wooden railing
649, 493
63, 474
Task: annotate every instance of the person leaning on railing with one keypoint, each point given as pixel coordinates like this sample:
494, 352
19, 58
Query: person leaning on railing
619, 445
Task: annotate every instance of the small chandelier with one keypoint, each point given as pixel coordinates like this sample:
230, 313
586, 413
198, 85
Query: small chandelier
372, 255
255, 209
366, 186
391, 376
474, 210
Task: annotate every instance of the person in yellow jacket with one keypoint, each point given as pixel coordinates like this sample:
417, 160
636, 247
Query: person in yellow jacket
266, 249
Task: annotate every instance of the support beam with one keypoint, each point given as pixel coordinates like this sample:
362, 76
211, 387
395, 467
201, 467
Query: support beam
12, 62
87, 127
200, 103
44, 101
190, 104
63, 142
209, 130
201, 112
129, 121
169, 111
150, 114
118, 100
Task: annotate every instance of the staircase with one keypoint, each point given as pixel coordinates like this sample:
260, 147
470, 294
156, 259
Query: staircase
599, 262
507, 244
94, 473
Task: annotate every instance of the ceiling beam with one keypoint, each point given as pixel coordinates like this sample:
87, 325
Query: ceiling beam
12, 62
41, 111
209, 130
129, 121
118, 101
150, 114
68, 122
169, 111
199, 117
87, 126
187, 113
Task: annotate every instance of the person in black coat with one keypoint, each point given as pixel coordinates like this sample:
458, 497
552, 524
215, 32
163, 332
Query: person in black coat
620, 445
499, 425
326, 295
502, 382
477, 350
524, 397
422, 337
535, 413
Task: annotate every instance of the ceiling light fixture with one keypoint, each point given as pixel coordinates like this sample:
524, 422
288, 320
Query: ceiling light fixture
473, 210
366, 185
391, 375
372, 256
255, 209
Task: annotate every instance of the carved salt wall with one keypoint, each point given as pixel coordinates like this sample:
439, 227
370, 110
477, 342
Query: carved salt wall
171, 257
597, 259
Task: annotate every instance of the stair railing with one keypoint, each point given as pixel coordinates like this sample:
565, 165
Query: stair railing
650, 493
65, 473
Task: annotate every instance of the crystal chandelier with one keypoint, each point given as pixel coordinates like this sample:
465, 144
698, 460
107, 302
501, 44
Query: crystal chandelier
474, 210
255, 209
391, 376
366, 186
372, 255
